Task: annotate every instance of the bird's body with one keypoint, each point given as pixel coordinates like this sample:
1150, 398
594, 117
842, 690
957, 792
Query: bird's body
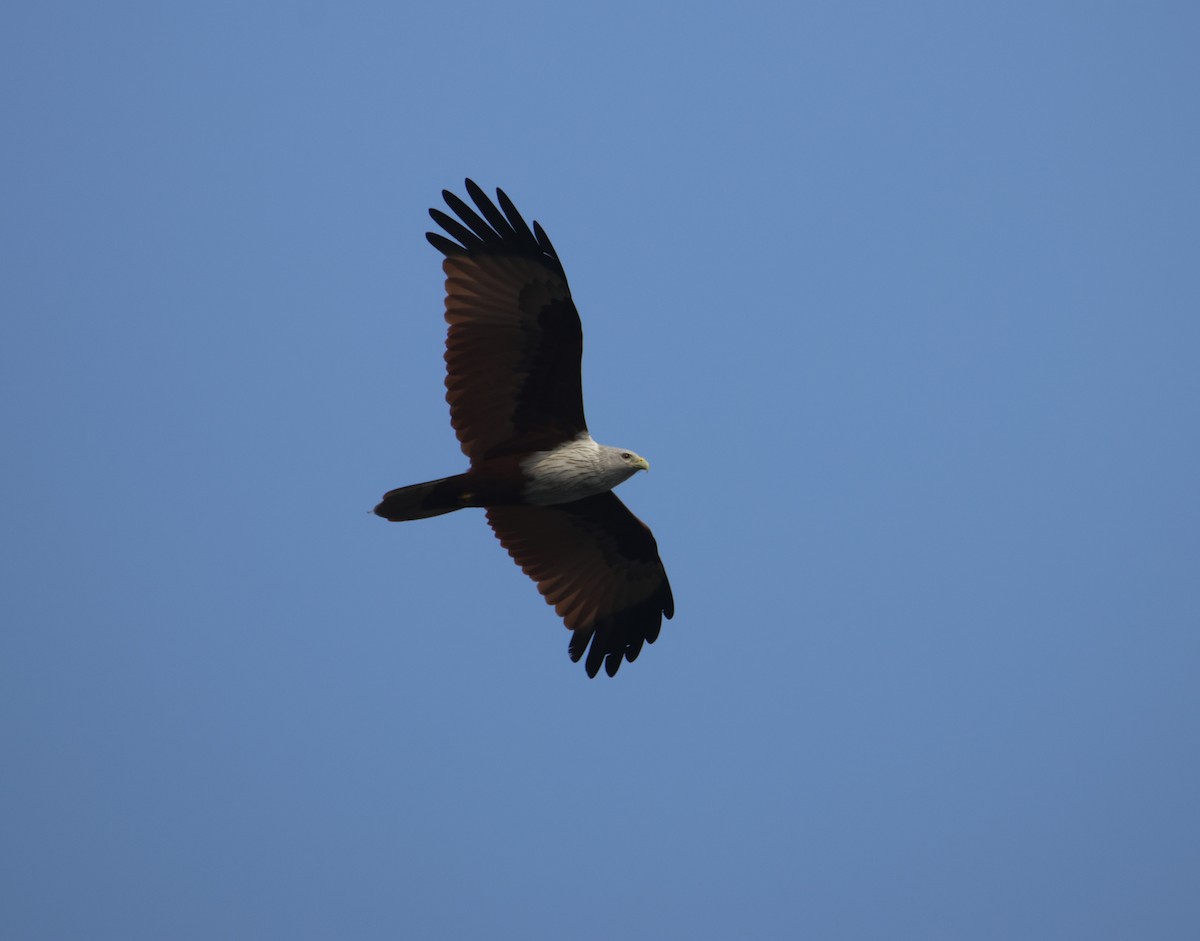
513, 383
575, 469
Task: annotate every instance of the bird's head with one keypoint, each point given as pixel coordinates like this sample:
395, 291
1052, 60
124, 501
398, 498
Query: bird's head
636, 461
627, 460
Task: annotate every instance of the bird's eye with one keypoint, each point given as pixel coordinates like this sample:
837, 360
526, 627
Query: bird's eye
625, 455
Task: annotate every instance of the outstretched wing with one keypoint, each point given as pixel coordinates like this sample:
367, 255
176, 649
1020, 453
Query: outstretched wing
598, 565
514, 347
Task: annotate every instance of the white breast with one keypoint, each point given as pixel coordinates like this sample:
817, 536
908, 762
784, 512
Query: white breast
571, 471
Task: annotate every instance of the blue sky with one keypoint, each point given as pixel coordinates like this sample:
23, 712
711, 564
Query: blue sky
902, 306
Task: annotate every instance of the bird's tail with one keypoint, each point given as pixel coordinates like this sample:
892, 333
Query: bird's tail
420, 501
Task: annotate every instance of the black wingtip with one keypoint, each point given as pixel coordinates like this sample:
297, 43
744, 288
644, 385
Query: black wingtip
474, 190
444, 245
491, 230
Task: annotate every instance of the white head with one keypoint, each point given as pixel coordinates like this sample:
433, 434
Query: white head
620, 464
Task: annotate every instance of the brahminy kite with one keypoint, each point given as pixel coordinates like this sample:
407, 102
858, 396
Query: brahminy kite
513, 356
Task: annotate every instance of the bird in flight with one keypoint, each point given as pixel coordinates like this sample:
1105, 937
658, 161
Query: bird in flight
513, 356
